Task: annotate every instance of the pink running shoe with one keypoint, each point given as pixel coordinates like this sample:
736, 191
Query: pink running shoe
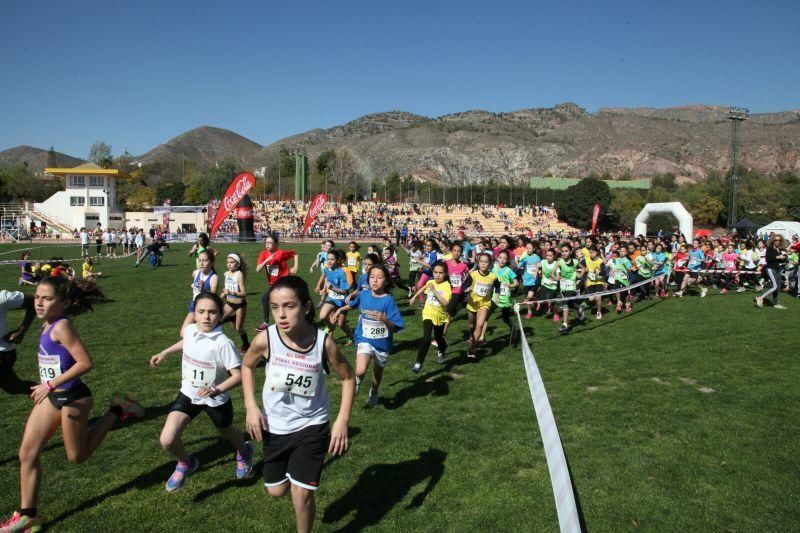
556, 318
19, 522
130, 407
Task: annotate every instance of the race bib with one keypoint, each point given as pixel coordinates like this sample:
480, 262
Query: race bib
482, 289
333, 295
231, 285
49, 367
730, 265
693, 263
567, 284
351, 262
292, 380
455, 281
374, 329
505, 290
273, 270
531, 269
432, 300
592, 276
198, 373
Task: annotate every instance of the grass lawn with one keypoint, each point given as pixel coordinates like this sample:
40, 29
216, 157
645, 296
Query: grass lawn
680, 416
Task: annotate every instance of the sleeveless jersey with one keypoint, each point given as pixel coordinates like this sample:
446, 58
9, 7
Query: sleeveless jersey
594, 270
294, 393
202, 284
569, 277
54, 359
232, 286
547, 274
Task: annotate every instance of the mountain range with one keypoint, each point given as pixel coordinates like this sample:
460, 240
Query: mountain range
565, 140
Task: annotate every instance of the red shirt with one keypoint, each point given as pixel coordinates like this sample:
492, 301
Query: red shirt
277, 265
680, 260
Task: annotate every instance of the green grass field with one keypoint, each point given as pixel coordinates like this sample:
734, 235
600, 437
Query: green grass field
680, 416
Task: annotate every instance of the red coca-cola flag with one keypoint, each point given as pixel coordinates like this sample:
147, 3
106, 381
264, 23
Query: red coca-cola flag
595, 218
314, 210
240, 186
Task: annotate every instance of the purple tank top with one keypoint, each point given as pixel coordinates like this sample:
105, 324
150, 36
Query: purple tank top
54, 359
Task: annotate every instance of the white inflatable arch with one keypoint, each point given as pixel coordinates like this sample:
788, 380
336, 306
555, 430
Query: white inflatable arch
676, 209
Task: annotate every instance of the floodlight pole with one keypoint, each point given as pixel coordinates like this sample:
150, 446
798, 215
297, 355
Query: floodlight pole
735, 115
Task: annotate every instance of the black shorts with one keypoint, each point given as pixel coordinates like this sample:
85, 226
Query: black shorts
61, 398
455, 302
7, 359
529, 289
570, 304
221, 415
591, 289
547, 294
236, 306
296, 457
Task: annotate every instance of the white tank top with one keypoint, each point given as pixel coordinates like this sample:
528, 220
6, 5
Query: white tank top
232, 285
294, 393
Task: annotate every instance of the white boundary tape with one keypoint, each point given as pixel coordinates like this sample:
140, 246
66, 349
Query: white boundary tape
18, 261
594, 294
553, 450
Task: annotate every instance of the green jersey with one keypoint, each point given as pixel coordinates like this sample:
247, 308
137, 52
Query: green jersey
645, 268
569, 274
548, 271
505, 276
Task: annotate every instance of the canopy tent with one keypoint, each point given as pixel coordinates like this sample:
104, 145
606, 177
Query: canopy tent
745, 227
787, 229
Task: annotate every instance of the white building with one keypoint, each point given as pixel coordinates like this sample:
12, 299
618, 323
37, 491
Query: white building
90, 197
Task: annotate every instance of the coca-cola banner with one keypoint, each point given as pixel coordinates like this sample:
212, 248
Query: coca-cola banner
240, 186
165, 217
595, 218
314, 210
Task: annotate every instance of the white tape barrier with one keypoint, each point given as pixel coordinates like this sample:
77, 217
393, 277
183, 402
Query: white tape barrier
594, 294
19, 261
553, 450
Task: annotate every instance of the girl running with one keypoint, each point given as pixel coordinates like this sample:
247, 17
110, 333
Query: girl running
235, 295
481, 289
380, 319
26, 274
208, 357
202, 245
621, 265
661, 268
370, 260
322, 255
414, 264
434, 314
87, 270
457, 271
430, 255
354, 259
507, 279
62, 399
204, 279
334, 286
595, 279
529, 266
294, 422
275, 263
549, 288
390, 261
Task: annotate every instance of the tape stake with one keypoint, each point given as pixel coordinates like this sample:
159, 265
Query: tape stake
560, 478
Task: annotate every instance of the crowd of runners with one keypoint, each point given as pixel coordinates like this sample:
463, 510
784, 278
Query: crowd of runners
565, 280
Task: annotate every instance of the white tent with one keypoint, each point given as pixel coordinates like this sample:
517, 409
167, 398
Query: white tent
786, 229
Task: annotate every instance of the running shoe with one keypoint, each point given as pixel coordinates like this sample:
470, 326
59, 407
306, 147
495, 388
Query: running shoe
244, 463
529, 316
373, 398
262, 327
434, 343
182, 471
741, 289
759, 301
564, 329
556, 318
19, 522
358, 384
130, 407
599, 316
619, 308
724, 291
416, 368
472, 353
778, 306
482, 342
678, 294
703, 292
440, 357
244, 349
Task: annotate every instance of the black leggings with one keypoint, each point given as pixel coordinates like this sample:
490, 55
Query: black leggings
265, 306
9, 380
438, 333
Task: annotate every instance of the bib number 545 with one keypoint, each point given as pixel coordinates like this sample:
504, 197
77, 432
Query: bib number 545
298, 380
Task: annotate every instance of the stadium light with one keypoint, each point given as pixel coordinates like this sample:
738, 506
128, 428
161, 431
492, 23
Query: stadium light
735, 115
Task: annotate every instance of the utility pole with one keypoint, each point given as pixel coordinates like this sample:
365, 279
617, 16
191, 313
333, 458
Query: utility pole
735, 115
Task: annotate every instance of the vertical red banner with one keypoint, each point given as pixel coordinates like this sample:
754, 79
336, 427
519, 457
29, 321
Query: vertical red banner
314, 209
240, 186
165, 217
595, 218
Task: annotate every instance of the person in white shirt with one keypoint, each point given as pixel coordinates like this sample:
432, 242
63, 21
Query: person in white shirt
208, 357
9, 381
84, 235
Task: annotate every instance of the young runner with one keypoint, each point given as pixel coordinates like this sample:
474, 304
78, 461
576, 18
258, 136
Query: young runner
334, 285
430, 255
61, 399
235, 294
87, 270
434, 314
481, 289
507, 279
595, 282
390, 261
204, 279
275, 262
661, 269
644, 271
201, 246
353, 259
457, 271
26, 274
294, 422
528, 264
208, 357
322, 255
569, 270
620, 266
549, 287
379, 320
414, 264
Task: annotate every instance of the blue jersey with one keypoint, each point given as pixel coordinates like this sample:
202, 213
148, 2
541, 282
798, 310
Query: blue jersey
363, 282
321, 258
430, 258
529, 264
466, 248
660, 257
374, 332
696, 257
338, 280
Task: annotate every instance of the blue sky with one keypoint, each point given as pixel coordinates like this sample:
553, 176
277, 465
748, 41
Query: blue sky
135, 74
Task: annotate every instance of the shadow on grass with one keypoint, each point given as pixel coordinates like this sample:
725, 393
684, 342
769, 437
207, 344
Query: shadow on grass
158, 475
594, 324
381, 487
434, 383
